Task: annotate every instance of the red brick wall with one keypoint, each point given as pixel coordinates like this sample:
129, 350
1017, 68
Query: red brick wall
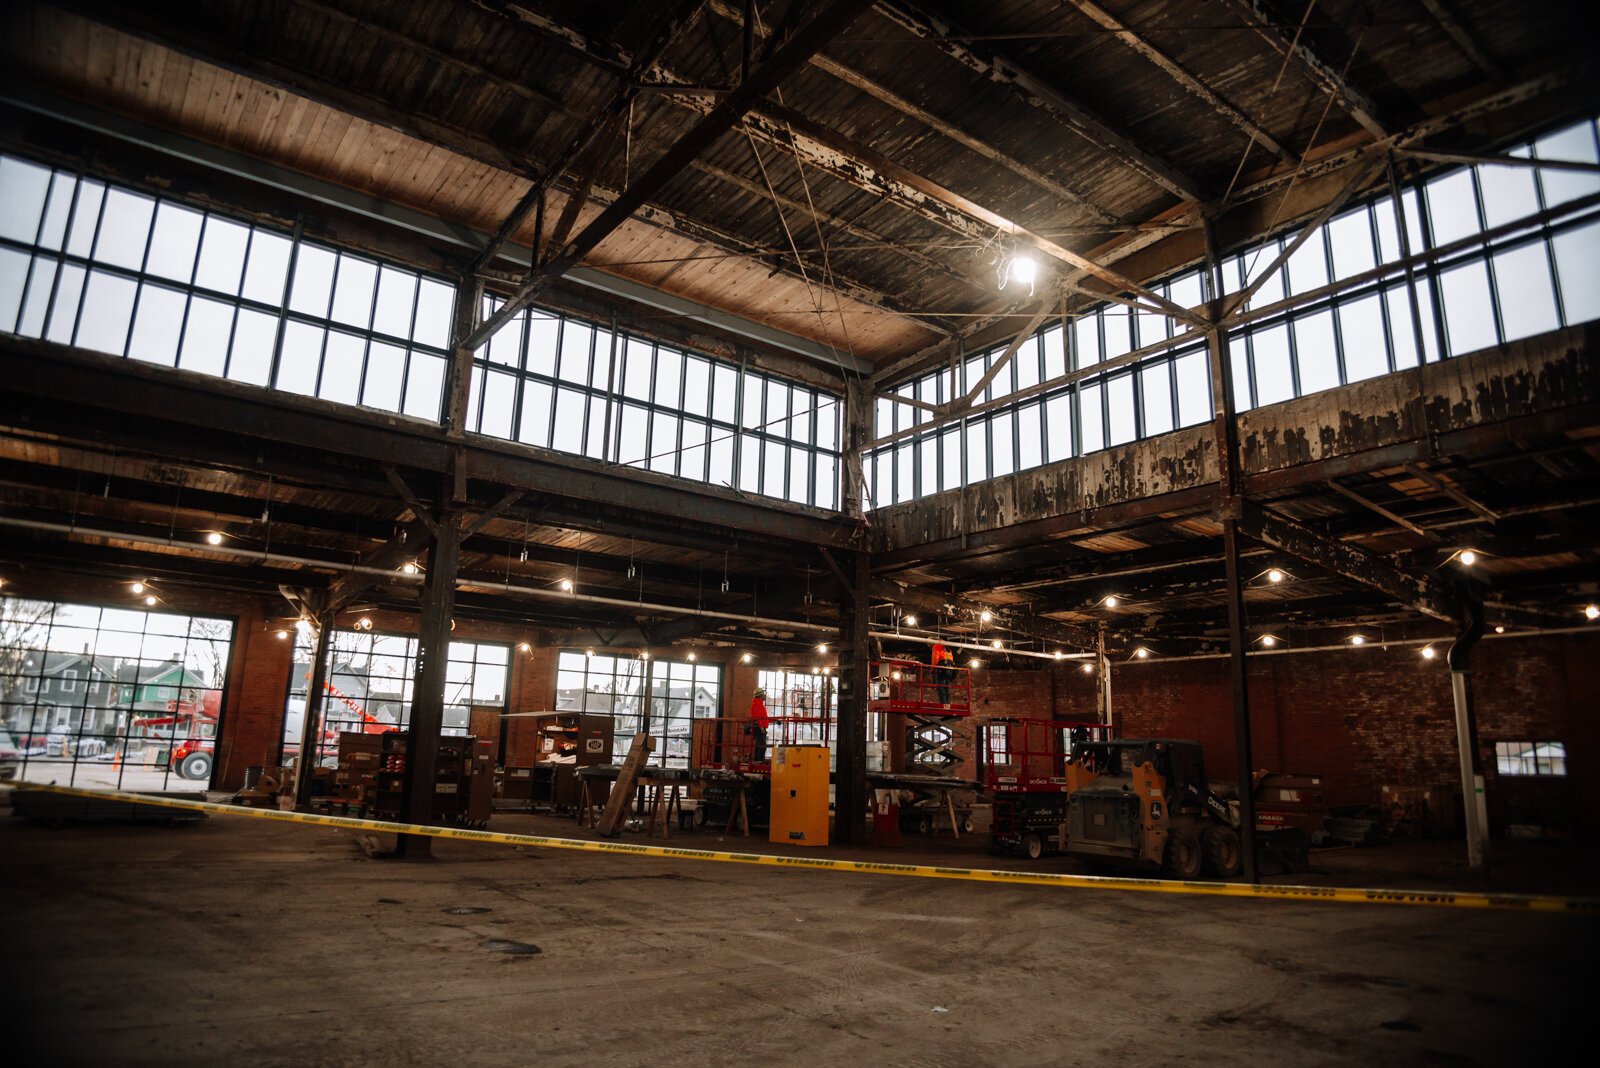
1360, 718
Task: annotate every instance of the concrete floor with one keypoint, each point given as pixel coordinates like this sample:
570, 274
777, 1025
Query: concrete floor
245, 942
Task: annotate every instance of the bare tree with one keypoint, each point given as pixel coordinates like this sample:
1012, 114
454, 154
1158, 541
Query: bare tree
23, 625
212, 655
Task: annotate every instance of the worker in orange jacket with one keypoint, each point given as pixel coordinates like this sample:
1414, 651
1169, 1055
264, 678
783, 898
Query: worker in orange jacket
944, 670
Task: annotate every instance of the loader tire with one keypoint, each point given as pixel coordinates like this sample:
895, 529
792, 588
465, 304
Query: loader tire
1184, 859
1223, 855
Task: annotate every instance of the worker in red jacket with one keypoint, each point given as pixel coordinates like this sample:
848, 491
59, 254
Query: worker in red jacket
760, 720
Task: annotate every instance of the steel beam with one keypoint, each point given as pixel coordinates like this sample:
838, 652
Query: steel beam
1239, 683
668, 29
427, 706
1425, 594
822, 28
850, 808
1327, 77
974, 52
1193, 85
884, 95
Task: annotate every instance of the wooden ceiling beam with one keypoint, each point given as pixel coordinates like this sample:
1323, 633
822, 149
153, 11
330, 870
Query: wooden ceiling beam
1457, 31
669, 29
886, 96
974, 52
1326, 76
1191, 84
823, 26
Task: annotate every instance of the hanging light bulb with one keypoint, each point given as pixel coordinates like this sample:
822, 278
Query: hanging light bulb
1142, 653
1111, 602
911, 621
566, 585
1060, 655
691, 657
408, 568
1275, 575
1025, 269
525, 647
985, 616
1358, 639
746, 658
1500, 629
973, 664
1468, 557
1268, 640
136, 588
1592, 612
996, 643
282, 634
1428, 653
822, 648
213, 538
150, 600
1088, 668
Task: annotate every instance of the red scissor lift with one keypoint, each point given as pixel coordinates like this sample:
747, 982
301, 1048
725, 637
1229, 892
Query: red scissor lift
921, 706
1022, 766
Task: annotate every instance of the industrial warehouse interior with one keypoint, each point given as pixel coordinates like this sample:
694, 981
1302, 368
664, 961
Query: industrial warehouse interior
784, 531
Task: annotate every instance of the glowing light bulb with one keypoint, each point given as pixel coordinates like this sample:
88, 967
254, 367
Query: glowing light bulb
408, 568
1428, 653
1024, 269
137, 587
973, 664
746, 658
1111, 602
282, 634
822, 648
996, 643
1358, 640
645, 655
1500, 630
1268, 640
1088, 668
1060, 655
1141, 652
1275, 575
1468, 557
691, 656
1592, 612
566, 584
985, 616
150, 600
911, 621
213, 538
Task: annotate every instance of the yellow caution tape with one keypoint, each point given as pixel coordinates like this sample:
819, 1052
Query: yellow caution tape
1437, 898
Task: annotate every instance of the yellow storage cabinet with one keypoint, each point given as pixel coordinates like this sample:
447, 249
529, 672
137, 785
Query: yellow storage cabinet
799, 810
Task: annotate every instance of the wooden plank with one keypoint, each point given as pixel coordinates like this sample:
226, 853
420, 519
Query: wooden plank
617, 803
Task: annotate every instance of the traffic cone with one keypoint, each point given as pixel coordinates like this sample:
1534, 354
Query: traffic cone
116, 759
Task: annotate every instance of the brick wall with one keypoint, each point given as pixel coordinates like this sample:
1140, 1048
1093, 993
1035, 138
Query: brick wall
1360, 718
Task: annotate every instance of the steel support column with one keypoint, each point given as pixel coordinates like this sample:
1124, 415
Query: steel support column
850, 790
1472, 796
311, 722
427, 707
1238, 676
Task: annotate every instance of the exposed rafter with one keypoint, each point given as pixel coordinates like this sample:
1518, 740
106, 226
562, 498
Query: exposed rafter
976, 54
1193, 85
668, 29
1327, 76
1452, 25
887, 96
1423, 593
